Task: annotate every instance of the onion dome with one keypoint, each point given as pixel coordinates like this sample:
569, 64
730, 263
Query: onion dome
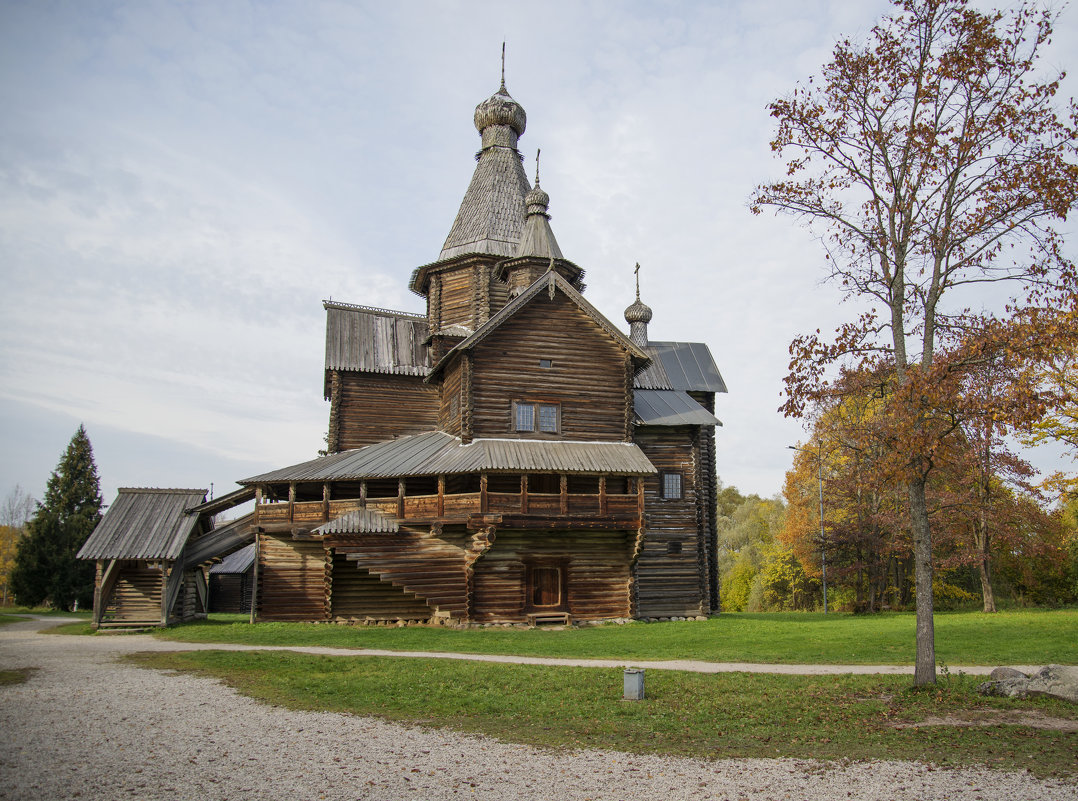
638, 315
537, 200
638, 312
501, 109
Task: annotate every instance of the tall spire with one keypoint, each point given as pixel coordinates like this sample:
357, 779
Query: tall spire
638, 315
538, 237
492, 213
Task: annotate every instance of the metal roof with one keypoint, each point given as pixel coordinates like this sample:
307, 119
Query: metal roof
375, 340
237, 562
360, 521
670, 407
548, 282
438, 453
686, 366
145, 524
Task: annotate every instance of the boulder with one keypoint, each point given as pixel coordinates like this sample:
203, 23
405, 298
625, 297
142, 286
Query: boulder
1001, 673
1055, 681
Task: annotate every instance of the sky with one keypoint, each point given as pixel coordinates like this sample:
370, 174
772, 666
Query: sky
182, 184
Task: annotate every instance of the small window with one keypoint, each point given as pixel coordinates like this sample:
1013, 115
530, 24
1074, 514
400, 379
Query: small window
673, 547
671, 486
546, 364
544, 417
548, 418
525, 417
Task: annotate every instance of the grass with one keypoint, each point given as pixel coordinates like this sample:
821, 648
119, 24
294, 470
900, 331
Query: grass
5, 619
17, 676
709, 716
46, 611
962, 638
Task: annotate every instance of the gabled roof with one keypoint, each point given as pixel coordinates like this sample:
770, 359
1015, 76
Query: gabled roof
438, 453
686, 366
549, 282
372, 340
360, 521
670, 407
145, 524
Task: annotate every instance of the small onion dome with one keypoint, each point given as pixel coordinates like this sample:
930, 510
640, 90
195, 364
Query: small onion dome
638, 312
501, 109
537, 200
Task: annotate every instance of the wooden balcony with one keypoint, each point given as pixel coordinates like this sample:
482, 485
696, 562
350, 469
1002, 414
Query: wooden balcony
517, 509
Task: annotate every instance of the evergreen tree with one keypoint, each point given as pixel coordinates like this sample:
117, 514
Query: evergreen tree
46, 569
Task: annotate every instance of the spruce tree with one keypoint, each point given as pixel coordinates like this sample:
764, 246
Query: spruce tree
46, 569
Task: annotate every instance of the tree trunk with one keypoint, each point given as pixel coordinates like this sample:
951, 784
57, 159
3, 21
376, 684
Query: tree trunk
984, 567
925, 667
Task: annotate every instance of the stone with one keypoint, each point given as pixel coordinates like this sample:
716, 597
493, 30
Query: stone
1001, 673
1054, 681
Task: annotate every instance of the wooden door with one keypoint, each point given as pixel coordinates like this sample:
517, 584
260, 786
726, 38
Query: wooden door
546, 586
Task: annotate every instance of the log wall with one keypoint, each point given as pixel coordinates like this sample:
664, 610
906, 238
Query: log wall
670, 582
450, 401
291, 579
230, 592
136, 595
587, 377
596, 568
368, 408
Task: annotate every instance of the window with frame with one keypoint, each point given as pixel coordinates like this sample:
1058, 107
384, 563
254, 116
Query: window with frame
532, 416
671, 486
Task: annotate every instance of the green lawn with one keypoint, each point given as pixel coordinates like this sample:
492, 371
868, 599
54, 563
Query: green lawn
962, 638
709, 716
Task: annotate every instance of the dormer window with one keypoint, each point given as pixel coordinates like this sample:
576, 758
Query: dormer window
534, 416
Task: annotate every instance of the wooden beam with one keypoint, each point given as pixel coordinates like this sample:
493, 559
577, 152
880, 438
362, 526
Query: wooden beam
441, 496
564, 494
325, 501
602, 495
255, 574
106, 582
484, 504
291, 499
400, 497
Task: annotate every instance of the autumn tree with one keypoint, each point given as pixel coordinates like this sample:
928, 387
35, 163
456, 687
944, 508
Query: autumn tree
45, 565
933, 162
15, 511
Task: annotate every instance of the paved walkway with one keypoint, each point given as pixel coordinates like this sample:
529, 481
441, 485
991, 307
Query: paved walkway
691, 665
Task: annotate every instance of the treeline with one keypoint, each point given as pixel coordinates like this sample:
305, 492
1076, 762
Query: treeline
770, 556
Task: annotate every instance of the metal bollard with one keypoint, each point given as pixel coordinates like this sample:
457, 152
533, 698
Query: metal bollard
634, 684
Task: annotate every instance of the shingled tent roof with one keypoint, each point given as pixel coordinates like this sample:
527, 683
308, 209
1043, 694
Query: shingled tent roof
145, 524
491, 216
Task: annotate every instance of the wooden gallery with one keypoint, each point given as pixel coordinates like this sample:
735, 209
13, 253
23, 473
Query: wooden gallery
510, 456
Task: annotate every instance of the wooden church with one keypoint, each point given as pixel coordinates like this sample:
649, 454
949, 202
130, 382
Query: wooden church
511, 456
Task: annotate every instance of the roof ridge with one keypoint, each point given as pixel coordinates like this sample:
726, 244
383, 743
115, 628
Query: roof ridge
334, 304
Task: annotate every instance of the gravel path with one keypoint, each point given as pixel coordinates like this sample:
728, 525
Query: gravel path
87, 727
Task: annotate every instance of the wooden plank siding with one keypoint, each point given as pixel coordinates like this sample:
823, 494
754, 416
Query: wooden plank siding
587, 377
291, 579
670, 583
371, 407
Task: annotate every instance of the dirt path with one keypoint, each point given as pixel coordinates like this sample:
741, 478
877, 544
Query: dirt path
86, 726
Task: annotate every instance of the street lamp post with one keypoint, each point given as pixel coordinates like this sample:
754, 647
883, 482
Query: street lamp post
823, 545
